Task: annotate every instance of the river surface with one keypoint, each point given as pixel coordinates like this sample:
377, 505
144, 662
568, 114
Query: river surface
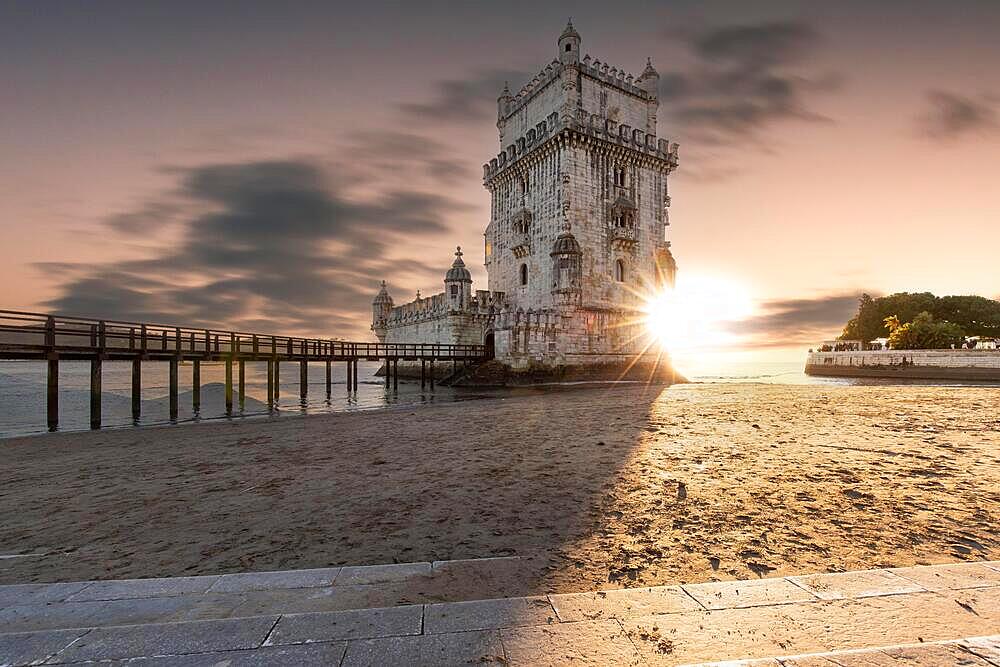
22, 391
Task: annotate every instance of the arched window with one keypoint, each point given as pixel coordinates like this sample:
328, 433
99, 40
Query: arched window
620, 177
619, 271
524, 274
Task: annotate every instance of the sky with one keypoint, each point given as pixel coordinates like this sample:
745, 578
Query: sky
262, 165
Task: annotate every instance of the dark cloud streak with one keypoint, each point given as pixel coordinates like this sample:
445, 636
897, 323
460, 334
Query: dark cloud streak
952, 116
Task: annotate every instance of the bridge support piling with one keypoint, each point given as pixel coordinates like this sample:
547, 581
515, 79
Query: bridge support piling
303, 379
52, 402
423, 374
350, 380
243, 385
270, 384
329, 379
95, 393
388, 372
229, 386
277, 380
136, 389
355, 375
196, 387
395, 374
432, 374
173, 389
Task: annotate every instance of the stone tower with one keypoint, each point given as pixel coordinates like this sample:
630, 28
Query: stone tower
576, 239
381, 307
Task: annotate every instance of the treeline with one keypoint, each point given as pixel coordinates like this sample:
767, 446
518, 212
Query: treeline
973, 315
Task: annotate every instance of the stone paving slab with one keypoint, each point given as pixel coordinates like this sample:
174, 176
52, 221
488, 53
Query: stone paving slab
22, 594
143, 588
263, 581
381, 574
321, 654
950, 577
34, 648
59, 615
488, 614
442, 650
931, 654
866, 583
622, 603
580, 643
135, 641
340, 625
752, 593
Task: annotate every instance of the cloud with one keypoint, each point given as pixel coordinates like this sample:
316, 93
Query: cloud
470, 100
743, 81
803, 321
267, 242
952, 116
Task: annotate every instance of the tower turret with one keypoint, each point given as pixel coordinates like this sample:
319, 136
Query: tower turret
458, 283
566, 274
381, 307
649, 81
503, 102
569, 45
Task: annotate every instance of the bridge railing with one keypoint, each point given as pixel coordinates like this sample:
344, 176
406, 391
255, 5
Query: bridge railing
26, 333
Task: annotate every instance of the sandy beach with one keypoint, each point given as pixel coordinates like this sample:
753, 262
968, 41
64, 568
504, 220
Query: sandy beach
593, 488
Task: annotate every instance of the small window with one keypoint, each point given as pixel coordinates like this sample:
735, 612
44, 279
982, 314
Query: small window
524, 274
569, 47
454, 290
620, 178
619, 271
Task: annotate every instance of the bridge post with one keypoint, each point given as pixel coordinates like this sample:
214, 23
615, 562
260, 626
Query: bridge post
356, 375
329, 377
270, 384
136, 389
52, 397
196, 387
53, 392
173, 388
395, 374
303, 378
95, 392
277, 380
388, 373
350, 380
423, 373
243, 385
229, 385
432, 373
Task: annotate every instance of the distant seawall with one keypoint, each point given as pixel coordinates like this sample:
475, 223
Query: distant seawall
915, 364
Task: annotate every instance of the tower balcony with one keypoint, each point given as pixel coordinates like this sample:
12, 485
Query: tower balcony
520, 245
623, 237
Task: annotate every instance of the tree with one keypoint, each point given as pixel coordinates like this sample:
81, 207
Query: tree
976, 315
923, 333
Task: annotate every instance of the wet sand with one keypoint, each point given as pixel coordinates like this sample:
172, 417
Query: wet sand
594, 488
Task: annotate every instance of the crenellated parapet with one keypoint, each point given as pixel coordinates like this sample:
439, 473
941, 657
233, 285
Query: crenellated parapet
584, 125
424, 309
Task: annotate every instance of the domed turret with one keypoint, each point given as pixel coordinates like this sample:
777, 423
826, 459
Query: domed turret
569, 44
566, 256
565, 244
381, 307
503, 102
649, 80
458, 283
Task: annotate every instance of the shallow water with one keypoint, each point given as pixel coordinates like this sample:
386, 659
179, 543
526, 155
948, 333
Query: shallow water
22, 391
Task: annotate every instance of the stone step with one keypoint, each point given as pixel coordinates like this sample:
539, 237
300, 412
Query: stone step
872, 617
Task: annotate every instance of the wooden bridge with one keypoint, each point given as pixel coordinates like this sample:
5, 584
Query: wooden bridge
52, 338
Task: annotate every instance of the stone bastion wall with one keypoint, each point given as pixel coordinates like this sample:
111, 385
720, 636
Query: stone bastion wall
923, 364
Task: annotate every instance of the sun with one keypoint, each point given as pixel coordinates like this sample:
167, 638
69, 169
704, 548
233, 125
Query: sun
700, 314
